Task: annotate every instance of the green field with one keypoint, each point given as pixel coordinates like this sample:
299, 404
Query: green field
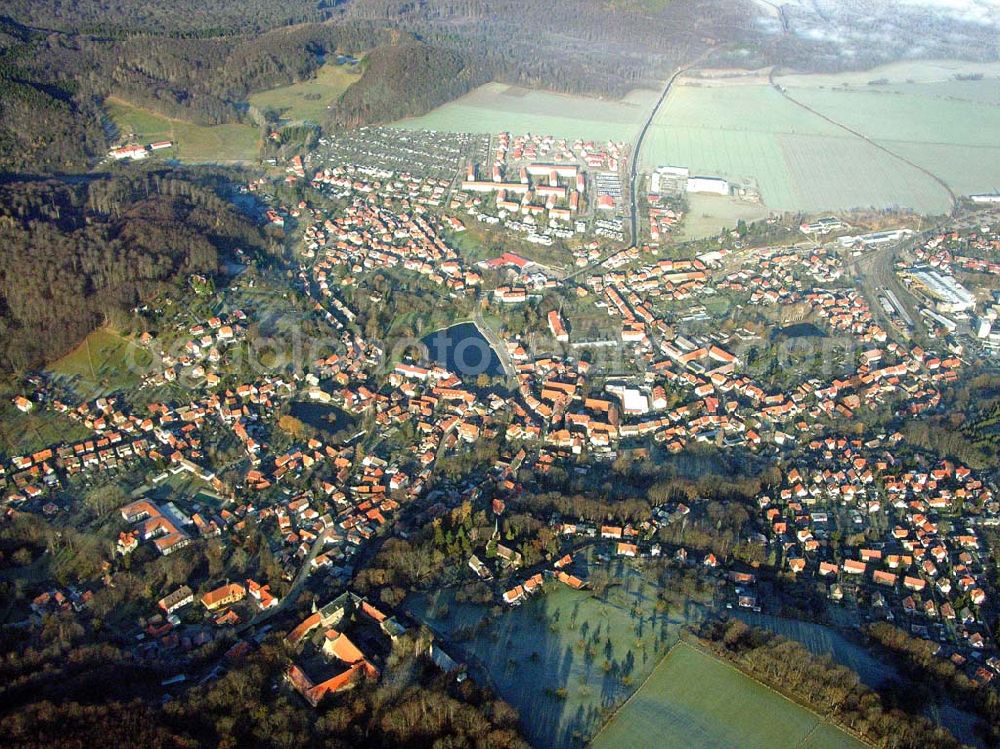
696, 701
103, 362
227, 143
748, 132
307, 100
951, 128
22, 434
496, 107
707, 214
561, 639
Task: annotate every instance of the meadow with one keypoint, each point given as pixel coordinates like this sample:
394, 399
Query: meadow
229, 143
25, 433
694, 700
101, 363
567, 658
707, 214
495, 107
308, 101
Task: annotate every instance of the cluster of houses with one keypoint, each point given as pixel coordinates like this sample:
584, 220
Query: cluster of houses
538, 185
319, 502
192, 356
370, 234
925, 568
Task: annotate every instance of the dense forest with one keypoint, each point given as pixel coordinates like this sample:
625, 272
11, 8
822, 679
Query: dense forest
397, 83
73, 255
179, 17
60, 59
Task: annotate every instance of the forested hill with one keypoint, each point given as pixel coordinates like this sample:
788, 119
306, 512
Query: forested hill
73, 255
200, 62
402, 80
177, 17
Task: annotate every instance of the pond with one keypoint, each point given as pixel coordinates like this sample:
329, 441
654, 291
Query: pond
328, 420
462, 349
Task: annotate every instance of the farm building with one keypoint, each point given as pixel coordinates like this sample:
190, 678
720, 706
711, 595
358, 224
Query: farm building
714, 185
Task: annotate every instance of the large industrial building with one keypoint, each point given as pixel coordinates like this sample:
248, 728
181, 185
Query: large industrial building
947, 293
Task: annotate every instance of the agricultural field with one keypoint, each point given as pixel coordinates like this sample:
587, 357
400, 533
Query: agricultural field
308, 101
102, 363
566, 658
747, 132
495, 107
951, 128
229, 143
695, 700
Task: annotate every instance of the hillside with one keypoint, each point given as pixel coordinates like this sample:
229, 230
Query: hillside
74, 255
406, 79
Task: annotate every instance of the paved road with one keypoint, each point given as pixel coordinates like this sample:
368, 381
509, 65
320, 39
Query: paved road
633, 171
293, 592
494, 339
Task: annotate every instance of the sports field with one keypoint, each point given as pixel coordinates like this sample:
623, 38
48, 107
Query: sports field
696, 701
749, 133
495, 107
307, 100
565, 658
227, 143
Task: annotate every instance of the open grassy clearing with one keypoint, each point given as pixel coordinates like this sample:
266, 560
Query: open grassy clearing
308, 100
748, 132
707, 214
695, 700
102, 363
496, 106
909, 71
227, 143
560, 658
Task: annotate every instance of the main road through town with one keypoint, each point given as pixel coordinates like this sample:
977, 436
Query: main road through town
633, 171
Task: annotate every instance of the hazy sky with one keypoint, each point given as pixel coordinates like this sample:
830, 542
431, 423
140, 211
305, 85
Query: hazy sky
976, 11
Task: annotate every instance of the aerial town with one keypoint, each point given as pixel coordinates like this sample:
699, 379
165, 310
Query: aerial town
311, 449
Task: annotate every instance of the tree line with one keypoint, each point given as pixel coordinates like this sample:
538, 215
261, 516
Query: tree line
830, 690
